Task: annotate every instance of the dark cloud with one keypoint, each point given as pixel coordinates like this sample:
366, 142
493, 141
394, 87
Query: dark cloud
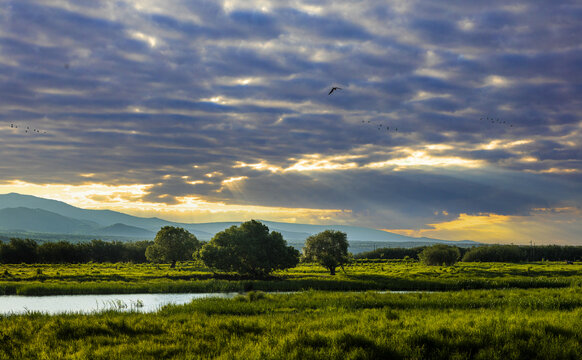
168, 189
134, 95
31, 20
408, 195
331, 26
218, 25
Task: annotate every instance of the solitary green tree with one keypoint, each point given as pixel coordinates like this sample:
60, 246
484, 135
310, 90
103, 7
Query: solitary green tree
328, 248
172, 244
248, 249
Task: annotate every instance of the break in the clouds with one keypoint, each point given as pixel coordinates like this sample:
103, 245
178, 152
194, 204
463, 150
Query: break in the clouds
447, 110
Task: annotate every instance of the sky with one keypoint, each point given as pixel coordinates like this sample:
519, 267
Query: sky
455, 119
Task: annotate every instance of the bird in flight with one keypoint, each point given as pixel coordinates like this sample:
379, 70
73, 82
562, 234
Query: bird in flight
334, 89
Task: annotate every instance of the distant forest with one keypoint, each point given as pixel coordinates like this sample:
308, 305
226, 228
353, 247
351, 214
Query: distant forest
17, 251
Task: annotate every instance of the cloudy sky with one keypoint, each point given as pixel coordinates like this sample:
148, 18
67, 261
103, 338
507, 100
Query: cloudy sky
455, 119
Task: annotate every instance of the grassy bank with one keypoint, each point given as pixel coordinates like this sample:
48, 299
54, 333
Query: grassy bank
476, 324
107, 278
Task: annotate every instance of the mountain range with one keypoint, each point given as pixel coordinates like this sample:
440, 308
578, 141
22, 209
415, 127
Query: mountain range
23, 215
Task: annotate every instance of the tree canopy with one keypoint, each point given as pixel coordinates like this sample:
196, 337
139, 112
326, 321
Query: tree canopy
249, 249
440, 254
499, 253
19, 251
172, 244
329, 248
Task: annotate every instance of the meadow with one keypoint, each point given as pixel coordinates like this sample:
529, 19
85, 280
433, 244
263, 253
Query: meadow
361, 275
488, 311
469, 324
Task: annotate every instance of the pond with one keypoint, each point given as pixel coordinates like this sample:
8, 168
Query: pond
86, 304
58, 304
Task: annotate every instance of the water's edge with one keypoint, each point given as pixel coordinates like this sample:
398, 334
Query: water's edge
87, 304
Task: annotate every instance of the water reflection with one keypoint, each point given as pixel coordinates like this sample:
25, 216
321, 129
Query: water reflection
59, 304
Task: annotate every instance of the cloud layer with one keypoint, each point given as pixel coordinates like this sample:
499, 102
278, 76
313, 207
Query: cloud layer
446, 109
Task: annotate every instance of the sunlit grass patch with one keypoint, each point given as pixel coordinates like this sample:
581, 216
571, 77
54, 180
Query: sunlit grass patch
107, 278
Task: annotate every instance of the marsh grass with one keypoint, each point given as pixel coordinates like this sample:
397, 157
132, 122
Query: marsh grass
531, 311
124, 278
474, 324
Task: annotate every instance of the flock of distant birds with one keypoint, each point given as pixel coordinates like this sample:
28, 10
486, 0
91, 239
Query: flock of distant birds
379, 126
382, 127
28, 130
497, 121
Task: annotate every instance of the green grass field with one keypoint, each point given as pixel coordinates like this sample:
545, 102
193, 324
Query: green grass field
472, 324
106, 278
490, 311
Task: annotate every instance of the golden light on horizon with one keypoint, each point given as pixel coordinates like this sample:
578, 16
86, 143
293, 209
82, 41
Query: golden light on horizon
81, 195
552, 225
130, 199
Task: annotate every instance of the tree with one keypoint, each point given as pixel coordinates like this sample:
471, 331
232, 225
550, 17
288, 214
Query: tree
328, 248
172, 244
440, 254
248, 249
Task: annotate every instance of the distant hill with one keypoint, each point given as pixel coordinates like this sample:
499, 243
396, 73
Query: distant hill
29, 214
355, 233
38, 220
125, 230
101, 217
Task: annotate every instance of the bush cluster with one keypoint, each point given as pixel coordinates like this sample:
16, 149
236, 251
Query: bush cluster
391, 253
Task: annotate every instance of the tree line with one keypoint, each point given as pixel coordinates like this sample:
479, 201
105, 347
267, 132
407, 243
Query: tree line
28, 251
486, 253
248, 249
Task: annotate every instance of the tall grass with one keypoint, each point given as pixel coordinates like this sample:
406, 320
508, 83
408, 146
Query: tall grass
496, 324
